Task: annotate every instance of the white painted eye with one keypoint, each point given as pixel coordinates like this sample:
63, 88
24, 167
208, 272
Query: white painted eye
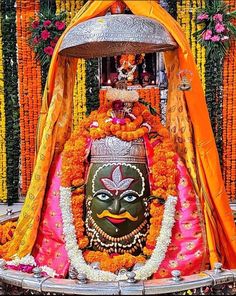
129, 198
103, 196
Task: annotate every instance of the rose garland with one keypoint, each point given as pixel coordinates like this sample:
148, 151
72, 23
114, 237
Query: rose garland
12, 139
73, 169
3, 157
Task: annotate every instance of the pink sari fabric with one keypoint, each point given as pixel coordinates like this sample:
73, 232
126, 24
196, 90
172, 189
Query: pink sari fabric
49, 248
187, 251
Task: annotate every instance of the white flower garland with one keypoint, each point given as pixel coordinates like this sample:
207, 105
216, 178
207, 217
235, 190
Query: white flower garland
76, 255
126, 96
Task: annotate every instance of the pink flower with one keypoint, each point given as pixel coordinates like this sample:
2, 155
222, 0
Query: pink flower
203, 16
215, 38
207, 35
35, 24
218, 17
36, 40
48, 50
47, 23
60, 25
45, 34
219, 28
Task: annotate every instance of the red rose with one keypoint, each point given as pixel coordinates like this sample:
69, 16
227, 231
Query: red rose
45, 34
36, 40
35, 24
60, 25
47, 23
48, 50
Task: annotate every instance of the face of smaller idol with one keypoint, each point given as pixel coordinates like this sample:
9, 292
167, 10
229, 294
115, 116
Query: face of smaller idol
117, 193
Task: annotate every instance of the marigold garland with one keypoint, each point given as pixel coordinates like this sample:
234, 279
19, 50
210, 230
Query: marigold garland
163, 171
29, 89
3, 157
229, 118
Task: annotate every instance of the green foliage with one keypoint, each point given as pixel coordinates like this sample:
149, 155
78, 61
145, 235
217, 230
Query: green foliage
8, 20
92, 85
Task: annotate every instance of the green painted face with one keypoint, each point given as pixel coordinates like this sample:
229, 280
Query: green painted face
117, 192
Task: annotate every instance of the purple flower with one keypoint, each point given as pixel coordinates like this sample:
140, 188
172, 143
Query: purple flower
219, 28
215, 38
218, 17
47, 23
207, 35
203, 16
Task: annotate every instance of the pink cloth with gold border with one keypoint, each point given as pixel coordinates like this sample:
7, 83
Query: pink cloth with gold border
187, 251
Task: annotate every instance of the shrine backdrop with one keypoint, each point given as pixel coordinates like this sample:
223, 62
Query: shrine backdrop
22, 79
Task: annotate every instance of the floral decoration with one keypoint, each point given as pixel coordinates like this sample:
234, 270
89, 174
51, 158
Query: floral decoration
217, 27
98, 125
45, 30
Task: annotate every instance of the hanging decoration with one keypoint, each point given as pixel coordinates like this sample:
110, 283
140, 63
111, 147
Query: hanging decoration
79, 97
29, 72
11, 98
229, 118
3, 164
215, 35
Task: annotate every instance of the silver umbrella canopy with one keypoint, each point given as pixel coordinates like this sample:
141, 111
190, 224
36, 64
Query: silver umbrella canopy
118, 34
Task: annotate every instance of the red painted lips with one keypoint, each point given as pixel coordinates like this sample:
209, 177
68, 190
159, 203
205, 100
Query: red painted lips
116, 221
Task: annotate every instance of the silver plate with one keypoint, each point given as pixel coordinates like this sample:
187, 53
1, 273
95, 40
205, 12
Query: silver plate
113, 35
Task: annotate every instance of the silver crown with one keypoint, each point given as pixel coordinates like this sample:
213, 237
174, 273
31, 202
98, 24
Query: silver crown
112, 149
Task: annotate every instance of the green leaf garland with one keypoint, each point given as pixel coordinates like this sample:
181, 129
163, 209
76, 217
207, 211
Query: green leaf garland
11, 98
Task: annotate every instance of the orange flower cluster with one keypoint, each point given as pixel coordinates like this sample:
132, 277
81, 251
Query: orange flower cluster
163, 170
6, 231
29, 72
156, 213
77, 202
113, 263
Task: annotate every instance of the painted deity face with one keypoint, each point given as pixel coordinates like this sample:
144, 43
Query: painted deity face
117, 192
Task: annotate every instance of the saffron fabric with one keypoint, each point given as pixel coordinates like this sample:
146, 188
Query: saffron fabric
54, 126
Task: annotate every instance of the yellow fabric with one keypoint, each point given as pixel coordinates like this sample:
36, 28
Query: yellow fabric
219, 221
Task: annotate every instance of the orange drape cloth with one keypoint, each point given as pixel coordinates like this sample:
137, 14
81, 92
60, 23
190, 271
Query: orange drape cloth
55, 121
